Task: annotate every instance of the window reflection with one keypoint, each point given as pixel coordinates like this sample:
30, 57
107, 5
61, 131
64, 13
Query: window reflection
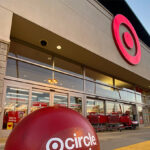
68, 67
39, 100
98, 77
127, 95
107, 91
30, 54
68, 81
11, 69
76, 103
61, 100
110, 107
119, 108
128, 109
95, 106
33, 73
90, 87
16, 106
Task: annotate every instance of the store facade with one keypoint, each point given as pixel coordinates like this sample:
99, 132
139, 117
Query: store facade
60, 54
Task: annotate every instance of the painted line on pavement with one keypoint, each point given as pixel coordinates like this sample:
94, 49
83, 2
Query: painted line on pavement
139, 146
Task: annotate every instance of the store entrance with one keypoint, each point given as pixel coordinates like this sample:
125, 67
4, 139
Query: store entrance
21, 99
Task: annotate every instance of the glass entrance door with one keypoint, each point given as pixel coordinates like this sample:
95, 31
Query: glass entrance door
15, 104
40, 99
22, 99
60, 99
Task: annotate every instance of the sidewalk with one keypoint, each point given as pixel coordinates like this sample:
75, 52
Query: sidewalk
111, 137
2, 143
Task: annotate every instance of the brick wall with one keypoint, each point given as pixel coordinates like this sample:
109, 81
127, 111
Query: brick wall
3, 61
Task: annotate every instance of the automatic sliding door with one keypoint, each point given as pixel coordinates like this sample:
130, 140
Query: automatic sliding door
76, 103
40, 99
60, 99
15, 106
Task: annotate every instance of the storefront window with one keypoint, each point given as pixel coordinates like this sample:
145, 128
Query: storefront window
95, 106
98, 77
33, 73
39, 100
11, 69
138, 97
89, 87
68, 67
110, 107
140, 111
30, 54
106, 91
61, 100
128, 109
121, 84
68, 81
76, 103
119, 108
16, 106
127, 95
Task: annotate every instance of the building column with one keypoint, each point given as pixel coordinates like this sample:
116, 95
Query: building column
3, 61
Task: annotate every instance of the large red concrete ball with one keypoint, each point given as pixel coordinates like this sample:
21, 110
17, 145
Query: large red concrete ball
53, 128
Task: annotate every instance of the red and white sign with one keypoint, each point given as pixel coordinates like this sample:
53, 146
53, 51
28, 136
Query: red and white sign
129, 38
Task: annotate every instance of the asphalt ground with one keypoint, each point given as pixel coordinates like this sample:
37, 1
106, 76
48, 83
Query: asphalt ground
138, 139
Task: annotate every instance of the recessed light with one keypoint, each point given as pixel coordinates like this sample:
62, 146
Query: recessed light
59, 47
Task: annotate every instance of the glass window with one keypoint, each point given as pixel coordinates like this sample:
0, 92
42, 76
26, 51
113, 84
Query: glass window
98, 77
138, 97
106, 91
128, 109
89, 87
123, 85
11, 69
61, 100
30, 54
119, 108
34, 73
110, 107
68, 81
15, 106
127, 95
39, 100
95, 106
76, 103
140, 111
68, 67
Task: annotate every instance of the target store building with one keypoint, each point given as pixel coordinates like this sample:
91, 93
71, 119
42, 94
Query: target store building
88, 55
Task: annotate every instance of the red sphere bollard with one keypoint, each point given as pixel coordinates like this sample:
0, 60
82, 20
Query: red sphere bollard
53, 128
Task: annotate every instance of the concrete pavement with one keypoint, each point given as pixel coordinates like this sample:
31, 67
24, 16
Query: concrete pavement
118, 140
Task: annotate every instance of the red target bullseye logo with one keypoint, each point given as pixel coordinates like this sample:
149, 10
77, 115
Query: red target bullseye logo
127, 39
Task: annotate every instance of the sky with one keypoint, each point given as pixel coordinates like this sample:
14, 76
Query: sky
141, 8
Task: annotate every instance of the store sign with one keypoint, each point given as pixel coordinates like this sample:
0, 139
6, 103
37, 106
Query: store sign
53, 128
129, 38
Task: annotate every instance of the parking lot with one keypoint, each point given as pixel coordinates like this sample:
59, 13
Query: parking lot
116, 140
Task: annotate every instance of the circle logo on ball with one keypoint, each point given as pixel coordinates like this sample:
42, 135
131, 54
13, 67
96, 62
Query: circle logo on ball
129, 38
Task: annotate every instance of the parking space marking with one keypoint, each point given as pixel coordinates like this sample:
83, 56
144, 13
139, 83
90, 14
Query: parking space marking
139, 146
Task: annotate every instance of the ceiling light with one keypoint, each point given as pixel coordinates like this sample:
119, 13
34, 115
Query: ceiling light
59, 47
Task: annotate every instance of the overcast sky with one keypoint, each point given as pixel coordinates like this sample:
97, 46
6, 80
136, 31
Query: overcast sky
141, 8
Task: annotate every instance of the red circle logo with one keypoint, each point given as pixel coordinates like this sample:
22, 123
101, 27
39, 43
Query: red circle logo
127, 39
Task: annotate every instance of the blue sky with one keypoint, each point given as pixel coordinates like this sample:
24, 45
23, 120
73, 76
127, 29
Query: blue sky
141, 8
